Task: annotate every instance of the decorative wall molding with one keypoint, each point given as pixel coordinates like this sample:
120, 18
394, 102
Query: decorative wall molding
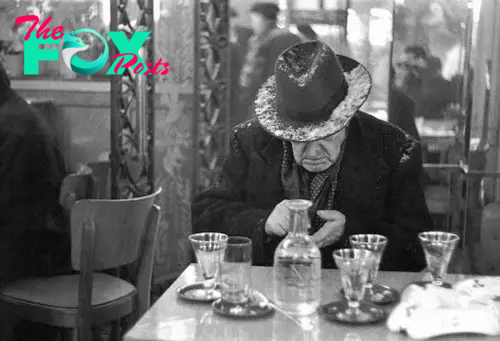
211, 77
132, 107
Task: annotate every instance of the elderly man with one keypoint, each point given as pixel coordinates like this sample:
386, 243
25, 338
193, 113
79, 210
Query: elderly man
309, 140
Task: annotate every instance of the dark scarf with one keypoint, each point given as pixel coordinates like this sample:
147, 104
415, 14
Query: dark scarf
319, 188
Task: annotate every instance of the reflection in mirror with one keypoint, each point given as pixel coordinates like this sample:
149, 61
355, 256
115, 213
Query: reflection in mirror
428, 71
430, 95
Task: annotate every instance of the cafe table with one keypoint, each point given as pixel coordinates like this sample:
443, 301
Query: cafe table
173, 319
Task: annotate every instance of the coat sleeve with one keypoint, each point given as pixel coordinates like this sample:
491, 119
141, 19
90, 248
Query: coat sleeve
407, 215
222, 208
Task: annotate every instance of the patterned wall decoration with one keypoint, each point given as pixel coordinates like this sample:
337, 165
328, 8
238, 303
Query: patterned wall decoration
174, 143
211, 88
132, 109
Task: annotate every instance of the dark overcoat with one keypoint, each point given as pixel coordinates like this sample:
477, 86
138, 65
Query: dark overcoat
379, 191
34, 240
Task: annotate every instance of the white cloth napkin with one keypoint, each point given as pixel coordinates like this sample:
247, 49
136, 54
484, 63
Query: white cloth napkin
432, 311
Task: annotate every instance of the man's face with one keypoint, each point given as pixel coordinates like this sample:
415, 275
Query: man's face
318, 156
415, 61
407, 75
257, 22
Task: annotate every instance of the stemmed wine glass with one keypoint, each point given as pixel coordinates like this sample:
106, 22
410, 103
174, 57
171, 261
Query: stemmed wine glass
354, 266
209, 248
438, 248
375, 243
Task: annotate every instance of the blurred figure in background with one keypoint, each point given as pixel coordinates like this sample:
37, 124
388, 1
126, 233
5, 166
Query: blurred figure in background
408, 73
437, 92
237, 50
34, 239
416, 56
401, 111
264, 47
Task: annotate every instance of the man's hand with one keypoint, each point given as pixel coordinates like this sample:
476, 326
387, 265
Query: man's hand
332, 230
278, 223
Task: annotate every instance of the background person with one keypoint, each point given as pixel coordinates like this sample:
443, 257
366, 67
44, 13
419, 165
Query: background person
264, 47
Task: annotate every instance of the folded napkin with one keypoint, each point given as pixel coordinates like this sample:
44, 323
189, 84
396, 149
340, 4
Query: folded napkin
426, 312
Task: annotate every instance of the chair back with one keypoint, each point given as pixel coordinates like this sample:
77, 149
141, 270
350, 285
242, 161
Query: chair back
102, 176
108, 233
75, 187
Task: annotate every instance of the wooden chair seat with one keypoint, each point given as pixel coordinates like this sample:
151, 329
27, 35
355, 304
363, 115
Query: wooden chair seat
62, 291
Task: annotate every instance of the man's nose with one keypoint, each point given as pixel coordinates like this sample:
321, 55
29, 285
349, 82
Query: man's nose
313, 150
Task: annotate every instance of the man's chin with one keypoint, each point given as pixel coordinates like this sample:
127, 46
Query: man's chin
316, 168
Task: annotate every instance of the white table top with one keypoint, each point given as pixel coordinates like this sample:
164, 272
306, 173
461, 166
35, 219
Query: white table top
173, 319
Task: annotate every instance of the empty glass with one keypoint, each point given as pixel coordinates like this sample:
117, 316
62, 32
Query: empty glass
236, 270
375, 243
354, 266
438, 249
209, 248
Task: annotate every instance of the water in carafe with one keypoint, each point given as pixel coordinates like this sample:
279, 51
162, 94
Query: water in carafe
297, 265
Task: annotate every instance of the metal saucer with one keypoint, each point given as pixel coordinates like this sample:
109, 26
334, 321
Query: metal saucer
197, 292
257, 306
338, 312
424, 284
381, 294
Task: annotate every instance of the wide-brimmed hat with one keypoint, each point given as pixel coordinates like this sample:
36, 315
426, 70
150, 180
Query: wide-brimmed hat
313, 94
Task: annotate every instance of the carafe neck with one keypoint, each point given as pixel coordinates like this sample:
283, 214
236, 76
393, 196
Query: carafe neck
299, 217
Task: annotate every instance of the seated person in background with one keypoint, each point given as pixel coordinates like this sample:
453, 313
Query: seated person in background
408, 74
310, 141
437, 92
34, 240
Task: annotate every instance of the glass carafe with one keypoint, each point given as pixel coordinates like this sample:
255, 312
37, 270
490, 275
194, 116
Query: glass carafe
297, 265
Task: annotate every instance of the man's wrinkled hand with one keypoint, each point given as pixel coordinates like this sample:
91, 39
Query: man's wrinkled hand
332, 230
278, 223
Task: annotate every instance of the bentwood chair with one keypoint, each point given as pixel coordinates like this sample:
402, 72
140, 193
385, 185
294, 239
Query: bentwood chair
105, 234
